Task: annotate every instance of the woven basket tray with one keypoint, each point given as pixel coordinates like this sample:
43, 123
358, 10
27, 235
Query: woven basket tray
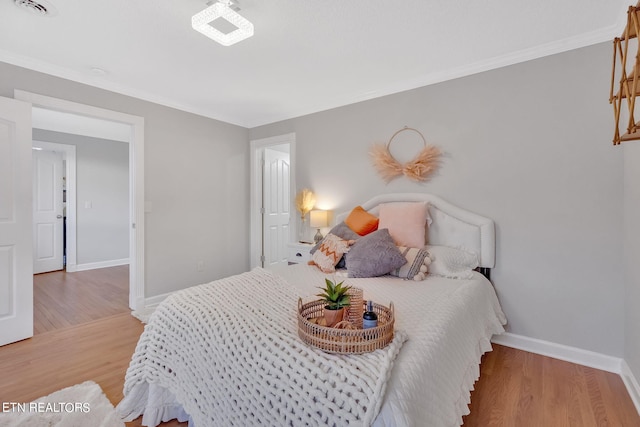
344, 341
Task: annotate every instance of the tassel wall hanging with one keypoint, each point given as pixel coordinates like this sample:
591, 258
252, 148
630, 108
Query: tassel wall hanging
418, 169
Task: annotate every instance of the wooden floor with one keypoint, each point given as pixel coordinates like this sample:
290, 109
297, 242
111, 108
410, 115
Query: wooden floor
62, 299
515, 388
99, 351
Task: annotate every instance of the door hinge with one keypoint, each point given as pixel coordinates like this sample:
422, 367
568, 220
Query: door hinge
262, 211
133, 225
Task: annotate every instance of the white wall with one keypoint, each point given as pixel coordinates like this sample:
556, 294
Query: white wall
632, 254
196, 180
527, 145
102, 171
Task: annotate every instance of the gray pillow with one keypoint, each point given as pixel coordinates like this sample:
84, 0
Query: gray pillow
375, 254
341, 230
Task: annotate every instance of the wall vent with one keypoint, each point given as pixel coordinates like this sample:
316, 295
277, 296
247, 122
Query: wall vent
40, 7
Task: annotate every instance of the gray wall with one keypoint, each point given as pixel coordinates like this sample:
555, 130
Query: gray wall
527, 145
102, 176
196, 178
632, 254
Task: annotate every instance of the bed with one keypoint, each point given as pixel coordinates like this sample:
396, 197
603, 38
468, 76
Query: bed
227, 353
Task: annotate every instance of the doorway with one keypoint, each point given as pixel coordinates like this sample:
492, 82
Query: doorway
95, 284
100, 219
272, 191
135, 140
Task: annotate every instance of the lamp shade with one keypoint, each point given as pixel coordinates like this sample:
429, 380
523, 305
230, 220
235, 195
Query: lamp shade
318, 219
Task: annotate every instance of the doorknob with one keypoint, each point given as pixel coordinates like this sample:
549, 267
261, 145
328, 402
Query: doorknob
58, 216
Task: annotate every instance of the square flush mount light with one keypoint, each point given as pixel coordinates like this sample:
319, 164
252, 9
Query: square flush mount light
201, 22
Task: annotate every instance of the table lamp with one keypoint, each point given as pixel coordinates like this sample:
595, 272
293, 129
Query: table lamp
318, 220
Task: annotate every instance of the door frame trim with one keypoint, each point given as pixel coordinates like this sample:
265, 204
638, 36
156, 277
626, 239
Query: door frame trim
257, 147
136, 179
69, 155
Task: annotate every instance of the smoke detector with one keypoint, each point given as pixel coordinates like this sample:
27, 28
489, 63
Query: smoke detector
39, 7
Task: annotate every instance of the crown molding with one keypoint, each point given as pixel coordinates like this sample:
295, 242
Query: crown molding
524, 55
78, 77
547, 49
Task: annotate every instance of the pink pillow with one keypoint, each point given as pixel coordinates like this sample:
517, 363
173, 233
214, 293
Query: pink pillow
406, 221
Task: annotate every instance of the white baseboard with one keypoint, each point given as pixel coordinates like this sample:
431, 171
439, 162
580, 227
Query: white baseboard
153, 302
632, 385
560, 351
94, 265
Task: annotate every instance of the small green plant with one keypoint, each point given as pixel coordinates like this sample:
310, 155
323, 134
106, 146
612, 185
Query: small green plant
335, 295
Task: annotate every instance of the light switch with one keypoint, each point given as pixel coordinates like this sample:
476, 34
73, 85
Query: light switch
87, 205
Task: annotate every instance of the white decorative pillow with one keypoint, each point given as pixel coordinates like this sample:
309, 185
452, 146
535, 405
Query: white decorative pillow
452, 262
417, 266
406, 222
329, 252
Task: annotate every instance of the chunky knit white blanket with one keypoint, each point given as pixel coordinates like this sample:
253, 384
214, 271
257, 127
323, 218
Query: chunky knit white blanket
228, 352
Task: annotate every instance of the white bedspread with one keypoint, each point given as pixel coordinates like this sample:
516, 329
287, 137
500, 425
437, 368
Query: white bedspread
228, 354
449, 323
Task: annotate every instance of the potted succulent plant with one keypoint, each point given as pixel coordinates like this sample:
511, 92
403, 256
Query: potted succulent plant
335, 295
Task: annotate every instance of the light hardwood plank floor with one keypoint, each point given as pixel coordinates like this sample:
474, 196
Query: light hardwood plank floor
516, 388
62, 299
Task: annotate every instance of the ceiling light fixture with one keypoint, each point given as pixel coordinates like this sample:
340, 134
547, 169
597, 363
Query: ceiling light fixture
201, 22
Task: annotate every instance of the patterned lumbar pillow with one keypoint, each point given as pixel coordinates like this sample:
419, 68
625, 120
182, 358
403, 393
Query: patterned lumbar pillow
343, 231
417, 266
329, 252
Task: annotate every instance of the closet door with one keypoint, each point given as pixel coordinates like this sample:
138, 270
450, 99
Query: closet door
48, 222
276, 207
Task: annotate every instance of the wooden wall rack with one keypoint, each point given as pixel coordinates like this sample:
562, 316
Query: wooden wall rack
628, 58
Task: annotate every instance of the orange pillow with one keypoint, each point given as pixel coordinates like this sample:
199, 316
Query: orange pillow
361, 221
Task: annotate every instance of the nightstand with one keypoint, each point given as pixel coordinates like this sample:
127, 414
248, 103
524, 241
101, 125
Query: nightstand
299, 252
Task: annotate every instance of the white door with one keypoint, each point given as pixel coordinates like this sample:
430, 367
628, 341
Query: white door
277, 207
47, 211
16, 262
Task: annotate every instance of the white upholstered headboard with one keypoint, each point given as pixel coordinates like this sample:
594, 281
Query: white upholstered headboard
452, 226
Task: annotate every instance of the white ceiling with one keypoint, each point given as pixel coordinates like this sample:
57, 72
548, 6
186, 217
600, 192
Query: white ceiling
306, 55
